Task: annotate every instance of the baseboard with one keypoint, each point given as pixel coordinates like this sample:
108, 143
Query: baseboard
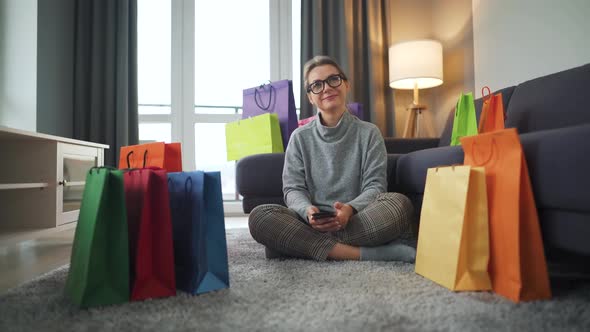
233, 209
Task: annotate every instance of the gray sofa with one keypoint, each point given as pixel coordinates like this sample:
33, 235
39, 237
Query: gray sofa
552, 116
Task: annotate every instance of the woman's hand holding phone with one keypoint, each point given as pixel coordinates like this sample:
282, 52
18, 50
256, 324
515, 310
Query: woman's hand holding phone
323, 221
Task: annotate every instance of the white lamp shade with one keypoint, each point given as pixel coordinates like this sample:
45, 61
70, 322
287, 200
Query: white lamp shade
419, 62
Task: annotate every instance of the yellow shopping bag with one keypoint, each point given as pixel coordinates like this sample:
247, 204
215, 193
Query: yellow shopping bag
258, 134
453, 244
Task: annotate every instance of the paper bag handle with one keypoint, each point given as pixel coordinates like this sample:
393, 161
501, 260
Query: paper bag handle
494, 147
144, 158
256, 94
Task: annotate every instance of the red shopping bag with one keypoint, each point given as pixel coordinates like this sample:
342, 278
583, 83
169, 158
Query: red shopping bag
151, 252
492, 112
159, 154
517, 266
305, 121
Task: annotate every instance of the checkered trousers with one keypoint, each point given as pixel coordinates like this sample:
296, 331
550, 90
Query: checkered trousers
389, 217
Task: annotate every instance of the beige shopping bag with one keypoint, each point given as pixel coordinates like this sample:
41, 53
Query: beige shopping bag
453, 244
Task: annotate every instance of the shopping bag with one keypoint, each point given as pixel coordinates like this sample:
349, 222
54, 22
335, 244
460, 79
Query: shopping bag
259, 134
453, 248
492, 112
200, 247
275, 97
357, 110
465, 121
151, 252
517, 261
305, 121
159, 154
99, 263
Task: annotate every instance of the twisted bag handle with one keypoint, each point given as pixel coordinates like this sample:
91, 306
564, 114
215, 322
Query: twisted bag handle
487, 160
98, 168
487, 98
144, 158
187, 189
484, 95
171, 184
452, 166
256, 96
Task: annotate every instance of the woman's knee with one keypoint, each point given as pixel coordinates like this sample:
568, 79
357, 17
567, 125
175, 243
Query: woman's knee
396, 198
400, 203
260, 216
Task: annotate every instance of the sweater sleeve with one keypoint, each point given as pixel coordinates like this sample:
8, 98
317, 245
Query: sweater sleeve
374, 172
295, 191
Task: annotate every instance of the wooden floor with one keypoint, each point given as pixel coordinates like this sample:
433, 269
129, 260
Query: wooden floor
24, 256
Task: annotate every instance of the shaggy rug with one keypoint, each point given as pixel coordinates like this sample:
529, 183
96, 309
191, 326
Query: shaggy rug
300, 295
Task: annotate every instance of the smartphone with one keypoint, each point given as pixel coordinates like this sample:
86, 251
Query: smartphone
323, 214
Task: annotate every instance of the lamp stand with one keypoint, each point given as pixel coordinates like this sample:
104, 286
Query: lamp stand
412, 127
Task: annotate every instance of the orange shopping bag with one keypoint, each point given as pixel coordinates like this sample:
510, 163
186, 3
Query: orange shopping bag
158, 154
453, 248
492, 112
517, 261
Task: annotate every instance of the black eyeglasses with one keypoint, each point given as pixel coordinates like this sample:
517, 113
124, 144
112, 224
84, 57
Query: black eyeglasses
333, 81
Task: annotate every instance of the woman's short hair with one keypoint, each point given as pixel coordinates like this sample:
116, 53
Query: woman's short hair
320, 60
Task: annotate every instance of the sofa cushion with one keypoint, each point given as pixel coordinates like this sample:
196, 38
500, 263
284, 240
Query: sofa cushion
391, 166
445, 137
553, 101
555, 158
407, 145
411, 168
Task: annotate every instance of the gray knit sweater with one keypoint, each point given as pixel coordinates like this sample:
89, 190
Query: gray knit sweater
346, 163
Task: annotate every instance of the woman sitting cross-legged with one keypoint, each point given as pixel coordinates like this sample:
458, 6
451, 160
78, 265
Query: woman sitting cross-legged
335, 163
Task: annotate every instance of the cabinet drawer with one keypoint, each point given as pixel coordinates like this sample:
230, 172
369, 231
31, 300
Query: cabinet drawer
73, 162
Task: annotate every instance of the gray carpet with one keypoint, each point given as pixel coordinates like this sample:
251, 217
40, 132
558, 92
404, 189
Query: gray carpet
298, 295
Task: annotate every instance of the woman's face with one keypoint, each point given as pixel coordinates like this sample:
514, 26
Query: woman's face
330, 98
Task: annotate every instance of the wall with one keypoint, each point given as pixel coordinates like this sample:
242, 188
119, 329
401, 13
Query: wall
449, 22
409, 19
55, 63
453, 27
515, 41
18, 63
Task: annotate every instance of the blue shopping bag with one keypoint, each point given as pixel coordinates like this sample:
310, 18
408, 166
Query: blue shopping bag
200, 247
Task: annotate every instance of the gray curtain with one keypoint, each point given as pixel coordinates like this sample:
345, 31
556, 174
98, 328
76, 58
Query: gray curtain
105, 74
355, 33
323, 32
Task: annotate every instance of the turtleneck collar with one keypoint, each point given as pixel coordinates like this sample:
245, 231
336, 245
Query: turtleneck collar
336, 132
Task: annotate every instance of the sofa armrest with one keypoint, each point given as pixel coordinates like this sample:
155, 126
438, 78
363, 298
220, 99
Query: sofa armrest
406, 145
558, 162
259, 179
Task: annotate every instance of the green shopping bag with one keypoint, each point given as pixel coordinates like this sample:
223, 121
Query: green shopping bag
465, 122
99, 264
258, 134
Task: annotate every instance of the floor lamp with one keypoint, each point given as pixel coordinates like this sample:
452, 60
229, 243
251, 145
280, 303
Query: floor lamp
415, 65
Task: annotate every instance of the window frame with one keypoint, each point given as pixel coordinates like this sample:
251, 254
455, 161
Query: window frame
182, 109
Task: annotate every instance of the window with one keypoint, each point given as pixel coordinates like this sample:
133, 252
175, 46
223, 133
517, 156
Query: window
194, 59
153, 62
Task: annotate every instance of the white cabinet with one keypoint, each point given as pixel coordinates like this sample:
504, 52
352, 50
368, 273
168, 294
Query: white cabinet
42, 178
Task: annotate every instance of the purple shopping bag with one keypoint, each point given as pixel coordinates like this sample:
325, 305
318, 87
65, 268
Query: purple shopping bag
357, 110
275, 97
